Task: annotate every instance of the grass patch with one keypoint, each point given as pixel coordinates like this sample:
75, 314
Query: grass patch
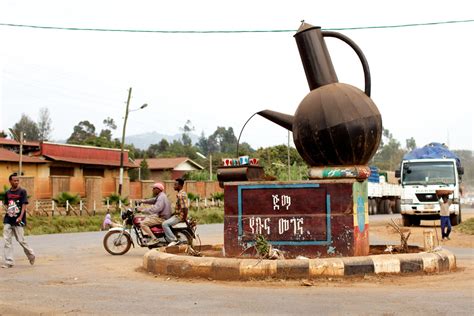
467, 226
210, 215
40, 225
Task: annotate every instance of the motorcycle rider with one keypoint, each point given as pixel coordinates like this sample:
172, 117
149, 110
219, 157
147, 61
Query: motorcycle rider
180, 214
159, 212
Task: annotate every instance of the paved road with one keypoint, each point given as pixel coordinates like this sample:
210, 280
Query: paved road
75, 275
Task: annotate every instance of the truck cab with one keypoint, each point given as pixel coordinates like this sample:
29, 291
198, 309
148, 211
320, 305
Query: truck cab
420, 179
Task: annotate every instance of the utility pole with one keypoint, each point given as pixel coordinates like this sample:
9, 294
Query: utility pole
289, 165
123, 141
123, 137
210, 167
21, 154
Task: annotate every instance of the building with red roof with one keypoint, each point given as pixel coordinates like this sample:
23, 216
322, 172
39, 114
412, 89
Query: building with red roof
169, 168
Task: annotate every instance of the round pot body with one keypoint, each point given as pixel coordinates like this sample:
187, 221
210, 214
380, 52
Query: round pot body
337, 124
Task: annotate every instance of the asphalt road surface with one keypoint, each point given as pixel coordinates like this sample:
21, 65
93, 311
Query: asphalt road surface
73, 274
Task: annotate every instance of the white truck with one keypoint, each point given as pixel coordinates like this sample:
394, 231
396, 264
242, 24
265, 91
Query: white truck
421, 175
383, 197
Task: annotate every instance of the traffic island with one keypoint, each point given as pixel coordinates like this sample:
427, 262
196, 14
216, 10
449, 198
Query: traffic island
173, 261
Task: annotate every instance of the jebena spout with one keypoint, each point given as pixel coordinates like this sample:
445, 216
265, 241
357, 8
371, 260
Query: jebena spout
282, 119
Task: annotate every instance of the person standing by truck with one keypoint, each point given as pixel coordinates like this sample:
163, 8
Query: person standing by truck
444, 204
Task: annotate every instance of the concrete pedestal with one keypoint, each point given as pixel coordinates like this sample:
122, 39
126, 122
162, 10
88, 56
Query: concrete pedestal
320, 218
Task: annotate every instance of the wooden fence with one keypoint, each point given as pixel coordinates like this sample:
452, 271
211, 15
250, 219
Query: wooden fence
51, 208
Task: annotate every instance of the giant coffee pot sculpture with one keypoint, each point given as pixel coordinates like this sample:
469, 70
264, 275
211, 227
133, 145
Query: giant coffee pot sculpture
336, 124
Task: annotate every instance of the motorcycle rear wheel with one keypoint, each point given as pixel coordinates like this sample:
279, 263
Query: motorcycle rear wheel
184, 237
115, 244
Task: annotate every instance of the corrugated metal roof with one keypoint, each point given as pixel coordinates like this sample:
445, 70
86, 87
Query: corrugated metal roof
168, 163
7, 155
7, 141
97, 162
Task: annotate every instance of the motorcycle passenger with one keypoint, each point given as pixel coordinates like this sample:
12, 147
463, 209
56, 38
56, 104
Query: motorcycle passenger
159, 212
180, 214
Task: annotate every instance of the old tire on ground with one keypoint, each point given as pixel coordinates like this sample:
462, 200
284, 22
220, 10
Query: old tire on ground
117, 243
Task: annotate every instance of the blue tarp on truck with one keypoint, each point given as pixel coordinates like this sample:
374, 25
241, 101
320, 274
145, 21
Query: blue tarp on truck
432, 150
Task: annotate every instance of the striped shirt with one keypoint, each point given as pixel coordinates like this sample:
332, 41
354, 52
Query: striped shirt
181, 205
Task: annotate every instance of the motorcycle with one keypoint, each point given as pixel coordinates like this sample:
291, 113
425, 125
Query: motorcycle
118, 240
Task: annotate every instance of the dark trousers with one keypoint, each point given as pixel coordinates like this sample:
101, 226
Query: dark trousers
445, 223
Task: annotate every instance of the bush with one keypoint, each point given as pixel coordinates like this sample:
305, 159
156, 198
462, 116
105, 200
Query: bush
115, 198
218, 196
2, 194
211, 215
193, 197
64, 197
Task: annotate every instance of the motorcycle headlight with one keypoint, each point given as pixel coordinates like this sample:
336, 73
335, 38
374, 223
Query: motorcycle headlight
126, 214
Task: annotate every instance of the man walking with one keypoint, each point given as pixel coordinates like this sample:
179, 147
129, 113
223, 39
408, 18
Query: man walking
444, 204
16, 199
180, 214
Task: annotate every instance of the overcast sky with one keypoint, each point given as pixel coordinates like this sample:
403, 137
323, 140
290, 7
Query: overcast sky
422, 76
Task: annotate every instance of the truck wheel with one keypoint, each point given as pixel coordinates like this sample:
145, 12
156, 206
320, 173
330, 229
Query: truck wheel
381, 206
398, 206
415, 221
406, 220
455, 219
374, 206
388, 206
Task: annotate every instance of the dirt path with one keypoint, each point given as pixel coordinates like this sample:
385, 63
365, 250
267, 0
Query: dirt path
74, 275
382, 230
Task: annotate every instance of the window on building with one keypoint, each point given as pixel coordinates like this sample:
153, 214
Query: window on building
61, 171
93, 172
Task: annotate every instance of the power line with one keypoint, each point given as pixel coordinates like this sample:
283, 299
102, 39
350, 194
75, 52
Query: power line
227, 31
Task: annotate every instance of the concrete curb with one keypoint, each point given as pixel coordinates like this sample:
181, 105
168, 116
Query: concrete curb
160, 261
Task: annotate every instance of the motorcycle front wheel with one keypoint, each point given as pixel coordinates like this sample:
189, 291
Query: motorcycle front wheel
117, 243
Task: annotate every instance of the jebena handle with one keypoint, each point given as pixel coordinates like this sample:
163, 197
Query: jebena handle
359, 53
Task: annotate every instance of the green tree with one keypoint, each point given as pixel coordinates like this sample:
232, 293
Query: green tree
81, 132
222, 140
467, 161
203, 144
28, 127
110, 125
186, 129
390, 154
44, 124
144, 170
410, 144
274, 160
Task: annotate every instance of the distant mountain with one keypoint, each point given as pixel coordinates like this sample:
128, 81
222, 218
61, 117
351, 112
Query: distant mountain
143, 141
